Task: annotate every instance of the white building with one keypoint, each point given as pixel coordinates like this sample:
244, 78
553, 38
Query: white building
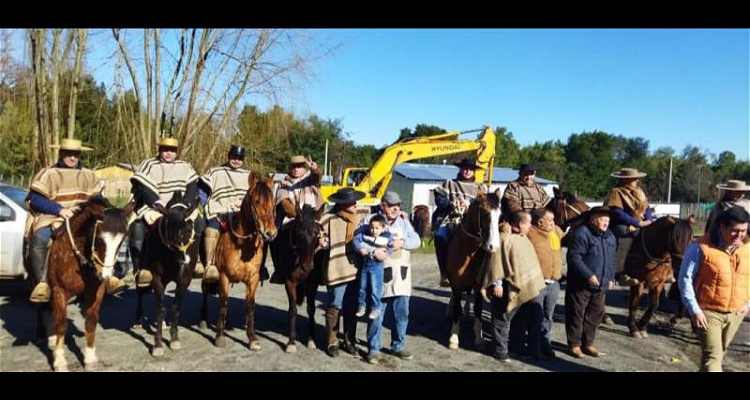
415, 182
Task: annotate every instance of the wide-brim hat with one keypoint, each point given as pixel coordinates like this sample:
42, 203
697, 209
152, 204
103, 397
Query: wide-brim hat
735, 185
346, 195
169, 142
599, 210
627, 173
298, 160
527, 169
466, 163
71, 145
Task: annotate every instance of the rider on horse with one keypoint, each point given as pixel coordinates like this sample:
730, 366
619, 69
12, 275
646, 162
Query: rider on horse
155, 181
221, 191
54, 194
452, 199
524, 193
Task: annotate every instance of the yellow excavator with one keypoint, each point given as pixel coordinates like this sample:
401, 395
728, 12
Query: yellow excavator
374, 181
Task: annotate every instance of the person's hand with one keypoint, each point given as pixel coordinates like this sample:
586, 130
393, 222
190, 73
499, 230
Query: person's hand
66, 213
404, 215
644, 224
363, 252
506, 228
699, 320
160, 208
497, 291
310, 163
398, 244
611, 285
323, 242
593, 281
380, 254
744, 310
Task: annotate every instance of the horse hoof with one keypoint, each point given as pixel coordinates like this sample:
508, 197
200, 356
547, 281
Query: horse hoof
254, 345
94, 366
175, 345
158, 352
453, 342
61, 368
291, 349
636, 334
311, 345
644, 334
52, 341
220, 341
202, 325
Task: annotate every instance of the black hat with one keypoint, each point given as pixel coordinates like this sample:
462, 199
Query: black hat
598, 210
527, 168
237, 151
346, 195
466, 163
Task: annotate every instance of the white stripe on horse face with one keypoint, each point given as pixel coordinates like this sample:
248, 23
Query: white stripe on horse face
112, 243
493, 240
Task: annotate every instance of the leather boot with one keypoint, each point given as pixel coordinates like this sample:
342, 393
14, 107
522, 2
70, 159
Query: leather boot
441, 255
210, 239
38, 250
332, 342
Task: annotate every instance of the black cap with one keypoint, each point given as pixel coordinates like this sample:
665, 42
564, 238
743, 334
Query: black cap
237, 151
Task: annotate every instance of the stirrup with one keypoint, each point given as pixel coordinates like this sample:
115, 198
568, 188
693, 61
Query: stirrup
41, 293
211, 275
114, 286
143, 278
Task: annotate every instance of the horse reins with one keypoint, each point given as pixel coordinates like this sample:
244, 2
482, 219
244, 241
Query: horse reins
98, 263
478, 237
181, 247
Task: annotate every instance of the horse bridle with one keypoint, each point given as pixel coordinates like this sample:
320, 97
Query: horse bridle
181, 247
478, 236
98, 263
567, 206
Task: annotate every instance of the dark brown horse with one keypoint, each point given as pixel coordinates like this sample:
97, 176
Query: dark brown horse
170, 255
420, 220
568, 210
294, 257
239, 256
477, 235
656, 254
82, 256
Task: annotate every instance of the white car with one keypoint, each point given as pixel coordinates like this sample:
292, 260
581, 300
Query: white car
13, 214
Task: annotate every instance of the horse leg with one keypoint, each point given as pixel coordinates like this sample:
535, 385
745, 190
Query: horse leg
635, 297
455, 320
653, 302
92, 319
252, 287
160, 311
174, 335
478, 340
59, 315
311, 290
291, 294
220, 340
45, 326
138, 321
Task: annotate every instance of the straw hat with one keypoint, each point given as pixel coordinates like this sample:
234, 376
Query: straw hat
71, 145
734, 184
627, 173
168, 142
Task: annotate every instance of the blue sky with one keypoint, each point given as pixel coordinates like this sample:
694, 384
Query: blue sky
671, 87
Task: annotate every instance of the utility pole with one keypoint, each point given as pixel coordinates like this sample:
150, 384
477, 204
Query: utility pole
669, 188
700, 170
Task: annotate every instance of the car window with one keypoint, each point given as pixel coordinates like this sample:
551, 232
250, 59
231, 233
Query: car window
18, 195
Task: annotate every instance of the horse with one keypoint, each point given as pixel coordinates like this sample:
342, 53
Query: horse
294, 256
420, 220
569, 211
656, 254
170, 255
240, 255
82, 257
477, 235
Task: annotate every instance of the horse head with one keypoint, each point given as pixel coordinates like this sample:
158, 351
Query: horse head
260, 204
176, 229
567, 208
304, 234
481, 220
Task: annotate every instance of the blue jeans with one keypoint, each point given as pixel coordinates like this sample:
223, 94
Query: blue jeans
372, 281
343, 295
400, 307
549, 300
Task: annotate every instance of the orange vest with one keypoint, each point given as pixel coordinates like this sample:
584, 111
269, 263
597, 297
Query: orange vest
723, 280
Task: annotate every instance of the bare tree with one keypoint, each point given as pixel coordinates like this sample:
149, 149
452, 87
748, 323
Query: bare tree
207, 73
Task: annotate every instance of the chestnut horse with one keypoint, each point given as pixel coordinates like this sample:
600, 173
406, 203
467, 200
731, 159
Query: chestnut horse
420, 220
294, 257
82, 257
239, 256
569, 211
478, 234
656, 254
170, 254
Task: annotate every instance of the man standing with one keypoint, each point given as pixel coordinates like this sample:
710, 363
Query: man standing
221, 191
396, 279
591, 268
714, 284
53, 196
155, 181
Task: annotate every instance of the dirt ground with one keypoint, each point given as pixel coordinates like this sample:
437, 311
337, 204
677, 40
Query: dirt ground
120, 348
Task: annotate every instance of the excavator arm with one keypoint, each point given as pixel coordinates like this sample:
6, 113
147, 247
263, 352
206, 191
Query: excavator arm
375, 182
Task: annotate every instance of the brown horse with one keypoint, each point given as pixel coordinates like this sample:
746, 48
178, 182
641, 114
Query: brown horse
655, 255
568, 210
82, 257
239, 256
478, 234
420, 220
170, 253
294, 257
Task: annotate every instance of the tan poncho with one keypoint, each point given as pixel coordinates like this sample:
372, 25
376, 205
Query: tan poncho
632, 201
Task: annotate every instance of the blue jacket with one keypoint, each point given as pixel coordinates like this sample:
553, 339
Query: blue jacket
591, 252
